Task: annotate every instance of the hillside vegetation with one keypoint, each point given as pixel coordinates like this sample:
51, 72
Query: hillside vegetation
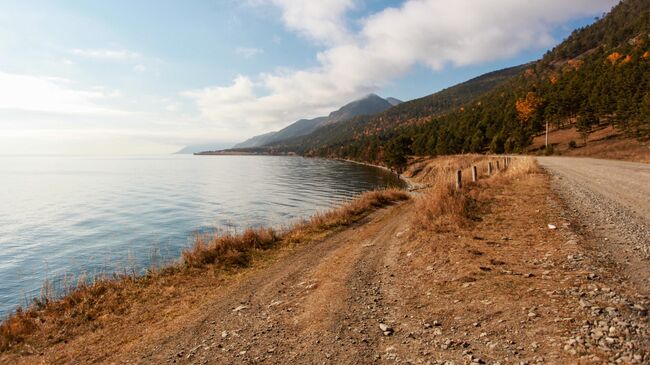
600, 75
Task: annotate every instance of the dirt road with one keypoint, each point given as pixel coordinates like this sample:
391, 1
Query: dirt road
502, 288
316, 305
611, 200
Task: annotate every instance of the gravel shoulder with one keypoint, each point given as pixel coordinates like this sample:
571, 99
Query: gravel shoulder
610, 202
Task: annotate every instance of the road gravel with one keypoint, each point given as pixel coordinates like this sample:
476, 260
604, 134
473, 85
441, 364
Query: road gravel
611, 201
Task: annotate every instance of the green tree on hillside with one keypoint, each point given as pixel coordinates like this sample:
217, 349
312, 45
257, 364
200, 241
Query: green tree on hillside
397, 152
585, 123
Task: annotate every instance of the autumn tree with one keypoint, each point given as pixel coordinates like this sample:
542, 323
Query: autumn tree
527, 107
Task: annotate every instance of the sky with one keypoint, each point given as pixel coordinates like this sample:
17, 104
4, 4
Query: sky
149, 77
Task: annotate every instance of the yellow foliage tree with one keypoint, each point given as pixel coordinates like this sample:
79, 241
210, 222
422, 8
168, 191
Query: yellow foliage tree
526, 107
627, 59
614, 57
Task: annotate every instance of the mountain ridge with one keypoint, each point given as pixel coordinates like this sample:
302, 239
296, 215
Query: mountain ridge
368, 105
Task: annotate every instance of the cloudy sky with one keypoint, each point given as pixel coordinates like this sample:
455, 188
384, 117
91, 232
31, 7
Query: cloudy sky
140, 77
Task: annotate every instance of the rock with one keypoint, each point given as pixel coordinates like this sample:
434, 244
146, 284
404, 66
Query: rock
386, 329
532, 314
552, 226
643, 311
224, 334
240, 308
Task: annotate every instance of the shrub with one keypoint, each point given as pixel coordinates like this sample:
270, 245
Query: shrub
550, 150
573, 144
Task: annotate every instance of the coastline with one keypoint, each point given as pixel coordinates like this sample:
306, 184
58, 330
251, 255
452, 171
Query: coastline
410, 185
210, 252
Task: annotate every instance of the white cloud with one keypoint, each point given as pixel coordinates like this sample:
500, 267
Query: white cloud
106, 54
435, 33
320, 20
48, 94
140, 68
248, 52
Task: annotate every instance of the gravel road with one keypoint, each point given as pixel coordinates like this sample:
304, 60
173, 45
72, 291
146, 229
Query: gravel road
611, 201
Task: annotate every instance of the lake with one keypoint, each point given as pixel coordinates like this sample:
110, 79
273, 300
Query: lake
66, 216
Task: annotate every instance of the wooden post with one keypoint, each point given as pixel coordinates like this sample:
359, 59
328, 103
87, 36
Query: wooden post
459, 179
497, 165
474, 174
489, 168
505, 162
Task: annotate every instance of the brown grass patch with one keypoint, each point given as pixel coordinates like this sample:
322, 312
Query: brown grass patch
443, 207
604, 142
87, 306
230, 250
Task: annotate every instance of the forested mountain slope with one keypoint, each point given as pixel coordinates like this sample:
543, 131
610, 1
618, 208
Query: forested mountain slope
404, 114
598, 75
369, 105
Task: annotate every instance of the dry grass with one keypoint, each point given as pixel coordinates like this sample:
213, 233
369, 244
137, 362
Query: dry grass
89, 305
229, 250
442, 207
604, 142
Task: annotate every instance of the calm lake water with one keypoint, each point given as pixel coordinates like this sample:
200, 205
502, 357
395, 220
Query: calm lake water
73, 215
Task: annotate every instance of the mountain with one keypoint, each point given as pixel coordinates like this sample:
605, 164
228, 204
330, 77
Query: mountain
394, 101
600, 75
256, 141
188, 150
299, 128
404, 114
369, 105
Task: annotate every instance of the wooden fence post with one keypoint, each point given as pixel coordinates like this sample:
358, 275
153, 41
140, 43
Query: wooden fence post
459, 179
497, 165
489, 168
505, 162
474, 174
